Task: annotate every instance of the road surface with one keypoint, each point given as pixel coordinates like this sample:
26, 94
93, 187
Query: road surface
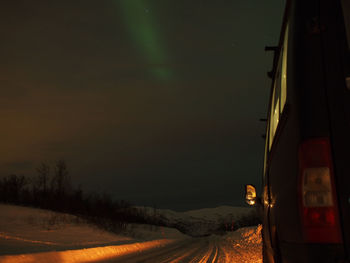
242, 246
191, 250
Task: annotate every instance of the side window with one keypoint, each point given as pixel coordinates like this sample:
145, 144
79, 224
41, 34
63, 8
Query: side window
284, 69
265, 152
279, 92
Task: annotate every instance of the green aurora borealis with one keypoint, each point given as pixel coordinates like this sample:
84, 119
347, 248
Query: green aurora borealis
141, 25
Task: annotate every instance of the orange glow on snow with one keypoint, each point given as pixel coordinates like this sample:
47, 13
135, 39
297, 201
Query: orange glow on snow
241, 246
207, 255
7, 236
245, 247
84, 255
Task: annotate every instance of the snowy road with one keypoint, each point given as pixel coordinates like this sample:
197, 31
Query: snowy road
26, 237
242, 246
192, 250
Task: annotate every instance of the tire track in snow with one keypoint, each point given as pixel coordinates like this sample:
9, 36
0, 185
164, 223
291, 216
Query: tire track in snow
151, 255
184, 255
203, 255
193, 251
214, 255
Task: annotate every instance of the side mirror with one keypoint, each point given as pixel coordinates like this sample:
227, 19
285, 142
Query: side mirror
250, 194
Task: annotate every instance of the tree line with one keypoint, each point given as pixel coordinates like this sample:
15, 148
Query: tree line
51, 189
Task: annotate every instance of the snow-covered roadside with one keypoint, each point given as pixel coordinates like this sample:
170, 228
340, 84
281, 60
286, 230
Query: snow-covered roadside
25, 230
29, 230
243, 245
85, 255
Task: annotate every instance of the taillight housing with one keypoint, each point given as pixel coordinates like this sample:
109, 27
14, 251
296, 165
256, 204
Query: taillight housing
317, 193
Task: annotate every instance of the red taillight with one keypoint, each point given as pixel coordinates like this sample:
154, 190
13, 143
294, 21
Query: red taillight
318, 202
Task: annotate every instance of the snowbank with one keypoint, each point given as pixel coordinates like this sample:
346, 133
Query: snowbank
30, 230
24, 230
244, 245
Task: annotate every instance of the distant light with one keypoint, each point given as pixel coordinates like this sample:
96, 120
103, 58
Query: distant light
251, 202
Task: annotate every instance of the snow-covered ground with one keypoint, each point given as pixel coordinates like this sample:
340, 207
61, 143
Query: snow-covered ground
205, 214
35, 235
24, 229
243, 245
200, 222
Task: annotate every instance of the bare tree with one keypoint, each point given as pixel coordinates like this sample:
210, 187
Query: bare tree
60, 183
43, 178
12, 187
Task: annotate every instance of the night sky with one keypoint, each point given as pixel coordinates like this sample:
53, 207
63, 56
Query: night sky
153, 101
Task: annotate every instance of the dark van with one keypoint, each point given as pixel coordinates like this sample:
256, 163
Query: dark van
306, 179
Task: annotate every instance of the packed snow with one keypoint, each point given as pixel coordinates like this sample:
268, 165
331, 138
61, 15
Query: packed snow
243, 245
35, 235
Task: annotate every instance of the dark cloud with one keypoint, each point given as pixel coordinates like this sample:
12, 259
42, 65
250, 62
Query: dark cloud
16, 167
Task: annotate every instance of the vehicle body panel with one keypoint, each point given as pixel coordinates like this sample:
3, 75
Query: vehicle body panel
317, 106
337, 69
